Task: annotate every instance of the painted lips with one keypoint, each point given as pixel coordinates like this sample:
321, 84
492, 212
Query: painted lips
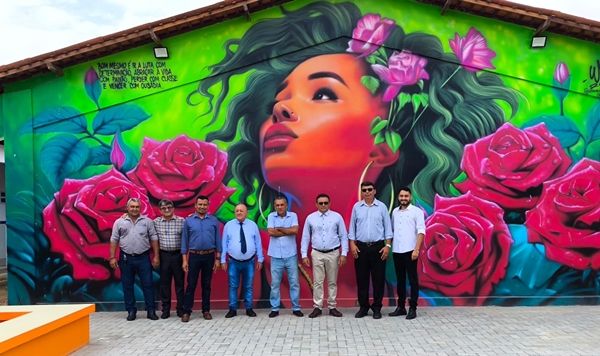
277, 138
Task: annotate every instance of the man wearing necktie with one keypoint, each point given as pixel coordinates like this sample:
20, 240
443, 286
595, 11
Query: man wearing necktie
243, 248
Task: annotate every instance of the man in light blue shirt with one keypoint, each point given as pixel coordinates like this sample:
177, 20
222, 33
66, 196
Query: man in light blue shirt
243, 248
327, 231
370, 236
282, 226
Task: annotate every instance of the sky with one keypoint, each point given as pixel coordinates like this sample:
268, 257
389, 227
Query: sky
33, 27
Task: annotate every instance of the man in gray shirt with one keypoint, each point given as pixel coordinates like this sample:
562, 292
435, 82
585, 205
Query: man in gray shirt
134, 234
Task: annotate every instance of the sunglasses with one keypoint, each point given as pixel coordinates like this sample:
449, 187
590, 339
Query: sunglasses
365, 190
323, 203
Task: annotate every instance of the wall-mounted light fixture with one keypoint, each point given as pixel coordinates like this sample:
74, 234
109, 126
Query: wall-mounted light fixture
538, 42
161, 52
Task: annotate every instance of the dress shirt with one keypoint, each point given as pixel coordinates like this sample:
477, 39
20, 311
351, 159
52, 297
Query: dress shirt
407, 223
231, 241
200, 233
134, 238
326, 231
370, 223
282, 246
169, 232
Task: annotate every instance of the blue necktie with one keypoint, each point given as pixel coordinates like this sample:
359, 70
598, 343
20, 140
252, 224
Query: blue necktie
243, 238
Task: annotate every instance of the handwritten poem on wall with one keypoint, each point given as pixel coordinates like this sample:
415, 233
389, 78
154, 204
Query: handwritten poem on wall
135, 75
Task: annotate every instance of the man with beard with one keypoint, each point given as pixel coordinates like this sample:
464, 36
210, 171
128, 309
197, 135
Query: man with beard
408, 224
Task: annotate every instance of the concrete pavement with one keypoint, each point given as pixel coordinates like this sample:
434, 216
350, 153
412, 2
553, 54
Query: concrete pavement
572, 330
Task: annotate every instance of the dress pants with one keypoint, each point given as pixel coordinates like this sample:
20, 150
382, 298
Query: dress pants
171, 270
403, 264
199, 265
370, 268
130, 266
325, 265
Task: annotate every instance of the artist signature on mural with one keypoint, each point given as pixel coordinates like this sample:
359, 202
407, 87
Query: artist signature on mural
593, 82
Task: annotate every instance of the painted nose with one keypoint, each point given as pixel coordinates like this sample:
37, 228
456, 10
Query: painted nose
282, 113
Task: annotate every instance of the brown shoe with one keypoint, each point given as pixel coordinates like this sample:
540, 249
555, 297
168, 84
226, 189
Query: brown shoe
185, 318
335, 312
207, 315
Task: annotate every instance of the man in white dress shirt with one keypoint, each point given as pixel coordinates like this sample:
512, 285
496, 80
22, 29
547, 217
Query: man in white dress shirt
408, 224
327, 232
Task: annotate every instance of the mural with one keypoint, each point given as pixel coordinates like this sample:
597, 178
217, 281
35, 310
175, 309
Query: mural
311, 98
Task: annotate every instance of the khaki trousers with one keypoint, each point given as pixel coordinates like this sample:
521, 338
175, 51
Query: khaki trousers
325, 265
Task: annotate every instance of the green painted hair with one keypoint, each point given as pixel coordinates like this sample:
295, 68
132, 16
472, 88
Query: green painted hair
464, 110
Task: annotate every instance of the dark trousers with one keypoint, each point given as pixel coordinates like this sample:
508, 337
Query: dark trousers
171, 270
403, 263
198, 265
130, 266
370, 267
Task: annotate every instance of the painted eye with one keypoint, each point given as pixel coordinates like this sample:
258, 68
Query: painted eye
325, 94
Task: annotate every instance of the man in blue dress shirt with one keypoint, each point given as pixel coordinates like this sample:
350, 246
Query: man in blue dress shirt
243, 248
327, 232
370, 236
201, 241
282, 226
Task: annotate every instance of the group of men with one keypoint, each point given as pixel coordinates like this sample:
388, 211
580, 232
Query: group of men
195, 246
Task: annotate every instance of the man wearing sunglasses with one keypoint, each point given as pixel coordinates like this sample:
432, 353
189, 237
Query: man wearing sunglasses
168, 227
370, 236
201, 252
326, 231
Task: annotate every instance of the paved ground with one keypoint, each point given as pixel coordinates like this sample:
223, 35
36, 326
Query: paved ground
437, 331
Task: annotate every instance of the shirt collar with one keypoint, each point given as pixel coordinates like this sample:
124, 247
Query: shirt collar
375, 202
126, 217
287, 214
325, 213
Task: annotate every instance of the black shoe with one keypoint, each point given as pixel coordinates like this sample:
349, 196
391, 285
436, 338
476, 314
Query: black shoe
231, 313
250, 313
131, 316
298, 313
165, 314
399, 311
152, 315
335, 312
412, 313
377, 314
273, 314
361, 313
315, 313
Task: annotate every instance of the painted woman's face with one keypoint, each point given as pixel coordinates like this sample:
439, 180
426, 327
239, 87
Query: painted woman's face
320, 121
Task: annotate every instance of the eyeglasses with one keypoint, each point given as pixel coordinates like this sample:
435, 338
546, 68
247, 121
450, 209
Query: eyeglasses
365, 190
166, 207
323, 203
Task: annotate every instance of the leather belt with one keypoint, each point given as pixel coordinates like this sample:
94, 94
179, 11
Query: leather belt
202, 252
327, 251
135, 254
372, 243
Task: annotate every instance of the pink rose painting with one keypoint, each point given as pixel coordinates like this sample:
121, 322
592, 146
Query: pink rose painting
566, 219
472, 51
510, 165
78, 222
404, 68
370, 33
466, 249
180, 170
